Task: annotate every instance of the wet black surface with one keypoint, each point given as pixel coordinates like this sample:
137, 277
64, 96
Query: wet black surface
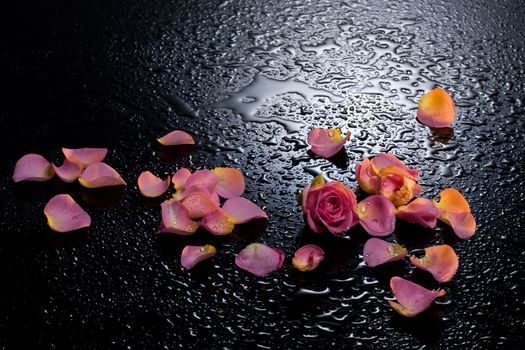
249, 79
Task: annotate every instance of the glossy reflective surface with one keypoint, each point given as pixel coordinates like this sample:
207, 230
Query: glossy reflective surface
249, 80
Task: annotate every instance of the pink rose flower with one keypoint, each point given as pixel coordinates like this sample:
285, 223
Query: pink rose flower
329, 206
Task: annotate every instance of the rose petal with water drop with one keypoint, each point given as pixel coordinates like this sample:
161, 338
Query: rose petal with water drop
242, 210
198, 205
175, 138
436, 109
192, 255
441, 261
68, 171
454, 210
85, 156
176, 219
412, 299
204, 181
218, 223
377, 252
231, 182
65, 215
376, 215
32, 167
151, 185
420, 211
327, 142
259, 260
100, 175
308, 257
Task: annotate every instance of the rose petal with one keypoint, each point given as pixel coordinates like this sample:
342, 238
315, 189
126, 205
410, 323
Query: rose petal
376, 215
436, 109
377, 252
85, 156
387, 163
368, 180
33, 167
100, 175
441, 261
175, 138
308, 257
68, 171
204, 181
327, 142
64, 214
179, 179
198, 205
399, 189
175, 219
242, 210
412, 299
152, 186
192, 255
231, 182
218, 223
420, 211
259, 260
454, 210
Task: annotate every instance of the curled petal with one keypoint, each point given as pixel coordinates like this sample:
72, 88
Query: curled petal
204, 181
308, 257
387, 163
412, 299
85, 156
218, 223
376, 215
454, 210
399, 189
68, 171
64, 214
242, 210
327, 142
259, 259
436, 109
377, 252
441, 261
420, 211
175, 219
368, 180
231, 182
152, 186
179, 179
100, 175
33, 167
198, 205
175, 138
192, 255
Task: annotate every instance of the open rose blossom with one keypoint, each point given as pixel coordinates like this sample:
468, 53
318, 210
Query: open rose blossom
412, 299
329, 206
436, 109
454, 210
192, 255
64, 214
420, 211
259, 260
33, 167
308, 257
441, 261
152, 186
387, 175
377, 215
327, 142
377, 252
175, 138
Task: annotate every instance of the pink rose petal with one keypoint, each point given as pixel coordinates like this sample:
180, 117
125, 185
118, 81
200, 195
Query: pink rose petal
387, 163
412, 299
399, 189
32, 167
368, 180
85, 156
454, 210
198, 205
68, 171
441, 261
376, 215
218, 223
192, 255
100, 175
231, 182
175, 138
259, 259
179, 179
242, 210
308, 257
175, 219
327, 142
152, 186
64, 214
377, 252
204, 181
420, 211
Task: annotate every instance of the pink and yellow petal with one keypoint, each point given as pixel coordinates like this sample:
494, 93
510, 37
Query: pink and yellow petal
377, 252
242, 210
218, 223
399, 189
85, 156
259, 260
441, 261
327, 142
377, 215
204, 181
308, 257
175, 138
151, 185
420, 211
454, 210
368, 180
100, 175
192, 255
412, 299
231, 182
64, 214
436, 109
176, 219
198, 205
387, 163
32, 167
179, 179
